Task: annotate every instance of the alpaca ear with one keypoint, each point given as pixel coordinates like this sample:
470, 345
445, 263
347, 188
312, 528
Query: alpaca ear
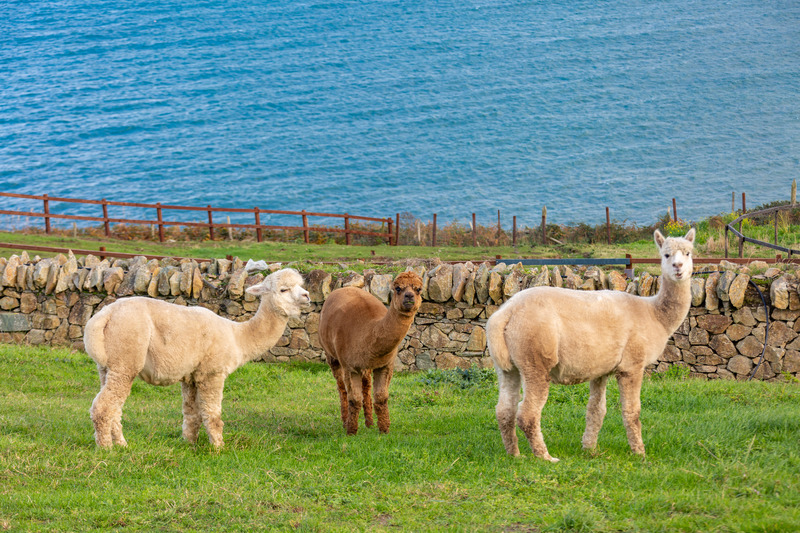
259, 289
690, 236
659, 238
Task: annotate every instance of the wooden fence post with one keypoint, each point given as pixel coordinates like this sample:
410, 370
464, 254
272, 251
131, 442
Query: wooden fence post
433, 239
390, 231
776, 228
258, 224
544, 225
397, 230
514, 232
210, 224
794, 192
160, 223
474, 231
346, 229
105, 218
726, 241
674, 211
306, 234
608, 225
46, 214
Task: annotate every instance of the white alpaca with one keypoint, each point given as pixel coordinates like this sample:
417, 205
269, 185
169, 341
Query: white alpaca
165, 343
565, 336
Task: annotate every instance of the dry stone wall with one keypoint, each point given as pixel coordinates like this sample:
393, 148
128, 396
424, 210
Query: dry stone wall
49, 301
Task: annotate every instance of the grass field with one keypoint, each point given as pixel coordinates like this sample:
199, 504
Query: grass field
722, 456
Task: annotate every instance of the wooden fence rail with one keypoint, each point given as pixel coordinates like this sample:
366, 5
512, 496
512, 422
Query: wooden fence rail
159, 208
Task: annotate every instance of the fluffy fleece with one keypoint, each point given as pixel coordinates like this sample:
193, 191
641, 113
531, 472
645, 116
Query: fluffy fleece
360, 337
165, 343
547, 334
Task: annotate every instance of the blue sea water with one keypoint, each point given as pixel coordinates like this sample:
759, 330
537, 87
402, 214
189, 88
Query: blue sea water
379, 107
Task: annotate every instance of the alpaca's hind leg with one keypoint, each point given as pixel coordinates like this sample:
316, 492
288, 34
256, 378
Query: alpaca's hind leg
106, 410
630, 389
354, 400
209, 402
536, 387
508, 384
595, 412
338, 374
191, 417
382, 378
366, 390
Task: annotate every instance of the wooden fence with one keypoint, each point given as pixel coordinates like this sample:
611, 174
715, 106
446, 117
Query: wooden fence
159, 221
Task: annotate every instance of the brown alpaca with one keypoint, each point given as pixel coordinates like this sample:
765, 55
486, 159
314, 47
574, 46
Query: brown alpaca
164, 343
361, 337
547, 334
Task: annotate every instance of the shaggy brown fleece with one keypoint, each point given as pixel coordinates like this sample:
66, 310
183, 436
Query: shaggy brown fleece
361, 337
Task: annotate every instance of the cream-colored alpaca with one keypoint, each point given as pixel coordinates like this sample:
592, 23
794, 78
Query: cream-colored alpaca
165, 343
565, 336
361, 337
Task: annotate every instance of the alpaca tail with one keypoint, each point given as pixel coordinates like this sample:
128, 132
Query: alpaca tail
94, 338
496, 338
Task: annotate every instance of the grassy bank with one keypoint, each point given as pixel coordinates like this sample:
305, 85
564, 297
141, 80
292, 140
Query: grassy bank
722, 456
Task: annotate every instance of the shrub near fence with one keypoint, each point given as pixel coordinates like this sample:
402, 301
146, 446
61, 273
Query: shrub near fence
351, 223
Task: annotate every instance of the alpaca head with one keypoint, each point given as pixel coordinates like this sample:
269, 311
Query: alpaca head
406, 292
676, 255
283, 291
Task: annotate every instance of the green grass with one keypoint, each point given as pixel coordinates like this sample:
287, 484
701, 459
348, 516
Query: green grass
722, 456
314, 253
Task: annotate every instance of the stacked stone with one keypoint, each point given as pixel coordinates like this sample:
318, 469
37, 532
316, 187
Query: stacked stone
49, 301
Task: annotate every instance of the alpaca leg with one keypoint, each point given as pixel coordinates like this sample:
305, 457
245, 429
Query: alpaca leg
536, 387
630, 389
366, 389
354, 402
508, 384
382, 378
191, 418
338, 374
106, 410
595, 412
209, 402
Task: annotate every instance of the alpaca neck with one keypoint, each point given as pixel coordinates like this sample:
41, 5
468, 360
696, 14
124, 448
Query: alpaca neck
672, 302
261, 332
388, 332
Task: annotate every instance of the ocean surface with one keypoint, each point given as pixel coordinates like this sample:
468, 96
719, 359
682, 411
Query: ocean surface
380, 107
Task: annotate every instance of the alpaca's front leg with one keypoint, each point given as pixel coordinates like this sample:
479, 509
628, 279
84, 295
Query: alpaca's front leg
209, 402
595, 412
191, 417
630, 389
366, 388
382, 378
354, 402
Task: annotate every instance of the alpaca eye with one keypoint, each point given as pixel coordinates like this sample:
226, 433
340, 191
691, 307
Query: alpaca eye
398, 290
284, 290
417, 290
666, 255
